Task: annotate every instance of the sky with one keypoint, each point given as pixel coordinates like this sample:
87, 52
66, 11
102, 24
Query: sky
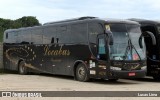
54, 10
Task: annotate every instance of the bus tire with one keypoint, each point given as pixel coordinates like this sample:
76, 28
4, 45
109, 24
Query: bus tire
21, 68
81, 73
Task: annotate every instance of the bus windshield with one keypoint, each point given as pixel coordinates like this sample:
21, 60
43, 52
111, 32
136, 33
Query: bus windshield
126, 42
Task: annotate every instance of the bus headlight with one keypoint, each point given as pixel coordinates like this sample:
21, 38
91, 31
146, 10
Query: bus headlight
144, 68
115, 68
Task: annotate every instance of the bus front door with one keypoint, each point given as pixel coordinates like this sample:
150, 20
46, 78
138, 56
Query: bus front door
103, 56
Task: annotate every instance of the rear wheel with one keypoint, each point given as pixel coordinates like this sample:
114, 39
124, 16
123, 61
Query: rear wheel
22, 68
81, 73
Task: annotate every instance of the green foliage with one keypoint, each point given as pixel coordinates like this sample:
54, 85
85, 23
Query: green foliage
26, 21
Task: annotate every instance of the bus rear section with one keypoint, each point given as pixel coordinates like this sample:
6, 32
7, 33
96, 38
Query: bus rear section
85, 48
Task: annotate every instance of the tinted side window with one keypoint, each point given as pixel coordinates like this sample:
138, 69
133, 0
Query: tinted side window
37, 36
101, 46
6, 35
26, 36
78, 33
12, 37
18, 39
94, 30
49, 35
62, 34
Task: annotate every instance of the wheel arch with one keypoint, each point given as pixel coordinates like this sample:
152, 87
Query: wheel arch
20, 60
76, 63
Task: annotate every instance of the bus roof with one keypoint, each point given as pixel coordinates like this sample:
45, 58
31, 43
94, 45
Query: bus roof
121, 21
70, 20
145, 21
80, 19
108, 20
22, 28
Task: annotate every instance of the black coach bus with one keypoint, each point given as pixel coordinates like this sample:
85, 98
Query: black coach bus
85, 48
153, 50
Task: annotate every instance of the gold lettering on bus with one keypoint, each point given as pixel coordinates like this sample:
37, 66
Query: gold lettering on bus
58, 52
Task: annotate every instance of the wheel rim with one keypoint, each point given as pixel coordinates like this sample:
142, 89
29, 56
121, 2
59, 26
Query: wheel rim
22, 68
81, 72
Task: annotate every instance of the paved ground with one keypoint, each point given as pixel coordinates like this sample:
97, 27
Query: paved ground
16, 82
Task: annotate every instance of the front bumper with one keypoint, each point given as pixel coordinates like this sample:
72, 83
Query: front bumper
129, 74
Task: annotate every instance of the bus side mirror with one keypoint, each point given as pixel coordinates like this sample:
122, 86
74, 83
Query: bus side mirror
150, 34
110, 37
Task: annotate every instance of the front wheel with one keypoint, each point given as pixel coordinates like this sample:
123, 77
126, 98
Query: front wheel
81, 73
22, 68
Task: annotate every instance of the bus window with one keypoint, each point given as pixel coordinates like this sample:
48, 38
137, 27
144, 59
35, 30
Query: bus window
120, 38
26, 36
57, 40
62, 33
37, 37
49, 34
80, 31
12, 37
19, 39
6, 35
94, 30
52, 41
101, 47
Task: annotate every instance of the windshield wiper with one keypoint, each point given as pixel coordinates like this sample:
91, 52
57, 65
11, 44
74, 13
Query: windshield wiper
127, 50
130, 48
136, 52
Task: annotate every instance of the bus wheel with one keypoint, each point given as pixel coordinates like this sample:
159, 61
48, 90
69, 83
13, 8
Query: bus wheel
156, 77
21, 68
81, 73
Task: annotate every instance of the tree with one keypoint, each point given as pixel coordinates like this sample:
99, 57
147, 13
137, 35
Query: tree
28, 21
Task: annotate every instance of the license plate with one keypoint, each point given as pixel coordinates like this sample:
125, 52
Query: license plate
132, 74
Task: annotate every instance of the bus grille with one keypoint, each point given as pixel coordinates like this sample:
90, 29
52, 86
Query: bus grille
130, 66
